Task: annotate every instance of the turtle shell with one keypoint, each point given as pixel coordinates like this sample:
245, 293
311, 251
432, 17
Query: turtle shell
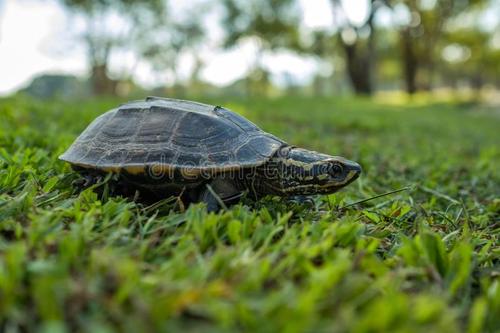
171, 134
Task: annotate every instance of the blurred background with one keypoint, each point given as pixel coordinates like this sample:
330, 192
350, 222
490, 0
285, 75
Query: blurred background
79, 48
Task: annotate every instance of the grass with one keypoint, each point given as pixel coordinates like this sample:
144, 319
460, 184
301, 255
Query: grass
421, 260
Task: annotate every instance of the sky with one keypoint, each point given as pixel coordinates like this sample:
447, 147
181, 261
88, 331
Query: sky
37, 37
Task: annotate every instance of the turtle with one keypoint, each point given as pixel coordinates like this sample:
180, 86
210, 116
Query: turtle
202, 153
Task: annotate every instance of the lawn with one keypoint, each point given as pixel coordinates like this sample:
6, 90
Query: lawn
425, 259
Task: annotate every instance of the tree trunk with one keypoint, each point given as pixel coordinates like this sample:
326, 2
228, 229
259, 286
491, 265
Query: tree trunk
427, 80
410, 62
360, 56
477, 83
359, 68
101, 83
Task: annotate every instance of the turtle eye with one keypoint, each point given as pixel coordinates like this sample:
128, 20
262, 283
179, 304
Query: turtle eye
336, 170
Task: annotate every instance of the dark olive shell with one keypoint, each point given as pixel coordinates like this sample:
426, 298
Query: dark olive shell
172, 134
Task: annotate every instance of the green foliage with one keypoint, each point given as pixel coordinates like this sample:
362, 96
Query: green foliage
274, 22
272, 25
422, 260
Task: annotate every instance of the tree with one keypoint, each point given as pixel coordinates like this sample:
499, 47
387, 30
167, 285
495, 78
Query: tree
323, 46
358, 43
420, 37
164, 48
469, 57
272, 24
114, 25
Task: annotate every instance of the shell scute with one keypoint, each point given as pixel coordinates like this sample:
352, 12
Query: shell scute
175, 134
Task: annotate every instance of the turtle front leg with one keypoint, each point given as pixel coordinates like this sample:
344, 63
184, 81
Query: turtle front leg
301, 200
219, 193
88, 179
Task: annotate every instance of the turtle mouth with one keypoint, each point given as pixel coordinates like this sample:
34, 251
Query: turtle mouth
355, 170
351, 176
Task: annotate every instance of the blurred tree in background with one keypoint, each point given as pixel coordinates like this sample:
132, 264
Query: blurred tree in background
423, 45
113, 26
469, 56
421, 36
270, 24
163, 47
358, 43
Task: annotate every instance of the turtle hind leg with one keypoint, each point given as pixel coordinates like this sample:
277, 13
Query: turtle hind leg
219, 193
206, 196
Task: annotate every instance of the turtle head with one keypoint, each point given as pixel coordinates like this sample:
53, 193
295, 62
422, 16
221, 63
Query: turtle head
302, 172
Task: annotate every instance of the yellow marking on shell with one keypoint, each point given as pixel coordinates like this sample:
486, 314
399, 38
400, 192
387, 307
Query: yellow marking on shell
133, 169
158, 169
190, 172
95, 167
110, 169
